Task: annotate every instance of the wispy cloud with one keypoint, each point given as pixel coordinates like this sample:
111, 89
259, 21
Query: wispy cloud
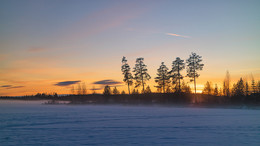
17, 87
66, 83
177, 35
6, 86
10, 86
107, 82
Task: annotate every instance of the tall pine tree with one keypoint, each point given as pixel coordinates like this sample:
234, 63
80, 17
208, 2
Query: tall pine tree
128, 78
193, 66
141, 75
177, 66
163, 77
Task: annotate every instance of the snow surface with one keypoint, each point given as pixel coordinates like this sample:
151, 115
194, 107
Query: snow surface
32, 123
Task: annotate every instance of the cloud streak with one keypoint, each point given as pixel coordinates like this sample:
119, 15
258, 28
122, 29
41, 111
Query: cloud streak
4, 86
11, 86
107, 82
66, 83
177, 35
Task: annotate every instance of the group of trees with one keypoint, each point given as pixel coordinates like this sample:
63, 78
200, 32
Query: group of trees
241, 88
80, 90
167, 81
108, 91
141, 74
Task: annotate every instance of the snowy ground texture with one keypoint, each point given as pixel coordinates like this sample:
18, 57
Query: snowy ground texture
31, 123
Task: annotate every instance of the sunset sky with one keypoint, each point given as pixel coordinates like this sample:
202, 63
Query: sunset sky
46, 43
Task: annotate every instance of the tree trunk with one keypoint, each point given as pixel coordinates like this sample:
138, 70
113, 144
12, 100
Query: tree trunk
163, 88
142, 77
143, 84
179, 78
195, 88
128, 89
163, 85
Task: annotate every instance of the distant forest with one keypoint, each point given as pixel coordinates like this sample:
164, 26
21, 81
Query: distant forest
170, 86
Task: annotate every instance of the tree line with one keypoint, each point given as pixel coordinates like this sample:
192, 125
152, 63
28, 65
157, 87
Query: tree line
240, 88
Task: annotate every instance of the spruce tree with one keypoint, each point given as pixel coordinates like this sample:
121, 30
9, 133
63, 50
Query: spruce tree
128, 78
163, 77
115, 91
148, 90
239, 88
141, 75
207, 88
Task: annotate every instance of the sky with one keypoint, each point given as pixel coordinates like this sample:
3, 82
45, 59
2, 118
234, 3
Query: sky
50, 45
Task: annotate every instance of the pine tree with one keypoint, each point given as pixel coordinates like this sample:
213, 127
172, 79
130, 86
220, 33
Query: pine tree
193, 66
107, 90
177, 66
141, 75
128, 78
163, 77
115, 91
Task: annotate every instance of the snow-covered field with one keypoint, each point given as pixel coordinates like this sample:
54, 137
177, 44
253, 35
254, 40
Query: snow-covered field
31, 123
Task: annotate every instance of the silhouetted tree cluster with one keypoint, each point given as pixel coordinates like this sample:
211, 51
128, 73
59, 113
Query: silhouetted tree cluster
241, 90
167, 81
238, 88
44, 95
80, 90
